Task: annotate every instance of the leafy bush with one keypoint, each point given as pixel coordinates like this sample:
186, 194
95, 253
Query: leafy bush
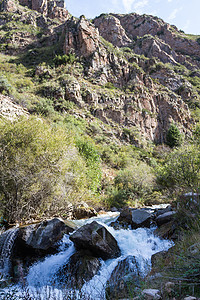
131, 184
181, 169
39, 167
64, 59
89, 153
173, 137
5, 86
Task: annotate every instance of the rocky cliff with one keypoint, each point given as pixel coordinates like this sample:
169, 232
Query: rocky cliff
137, 72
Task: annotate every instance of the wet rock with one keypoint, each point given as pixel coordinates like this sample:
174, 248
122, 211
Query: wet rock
45, 235
165, 218
80, 268
134, 217
97, 239
124, 279
140, 218
151, 294
190, 298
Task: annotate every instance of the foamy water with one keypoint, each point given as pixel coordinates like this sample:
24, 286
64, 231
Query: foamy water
140, 243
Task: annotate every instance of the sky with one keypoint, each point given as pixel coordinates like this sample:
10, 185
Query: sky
185, 14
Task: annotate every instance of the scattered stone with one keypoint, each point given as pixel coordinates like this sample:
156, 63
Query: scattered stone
97, 239
194, 249
190, 298
151, 294
83, 211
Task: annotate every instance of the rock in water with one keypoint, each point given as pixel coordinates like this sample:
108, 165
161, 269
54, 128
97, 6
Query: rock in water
80, 268
45, 235
97, 239
140, 218
165, 218
124, 279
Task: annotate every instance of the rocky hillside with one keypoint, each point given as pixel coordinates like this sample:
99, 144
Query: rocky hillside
135, 73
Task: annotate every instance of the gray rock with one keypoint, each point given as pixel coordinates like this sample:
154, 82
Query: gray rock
165, 218
151, 294
80, 268
97, 239
123, 279
44, 235
140, 218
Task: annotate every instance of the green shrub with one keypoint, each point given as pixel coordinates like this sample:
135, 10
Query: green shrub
5, 87
64, 59
88, 151
109, 85
181, 169
173, 137
40, 169
131, 184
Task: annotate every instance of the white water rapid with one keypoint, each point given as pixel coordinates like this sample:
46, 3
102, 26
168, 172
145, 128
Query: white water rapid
141, 243
6, 245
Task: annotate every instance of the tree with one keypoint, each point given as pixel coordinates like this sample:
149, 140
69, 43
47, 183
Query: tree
182, 168
174, 137
38, 164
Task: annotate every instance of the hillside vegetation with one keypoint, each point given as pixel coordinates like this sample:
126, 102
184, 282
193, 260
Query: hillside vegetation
108, 120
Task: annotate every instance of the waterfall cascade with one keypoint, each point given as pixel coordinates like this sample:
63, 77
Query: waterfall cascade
140, 243
7, 240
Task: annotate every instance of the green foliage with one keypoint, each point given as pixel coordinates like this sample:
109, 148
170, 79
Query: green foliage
5, 87
181, 169
88, 151
131, 184
39, 168
109, 85
173, 137
64, 59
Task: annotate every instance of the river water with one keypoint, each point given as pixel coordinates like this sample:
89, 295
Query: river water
40, 281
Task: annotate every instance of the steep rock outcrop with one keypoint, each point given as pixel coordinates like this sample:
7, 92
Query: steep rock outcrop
10, 110
110, 28
166, 37
48, 8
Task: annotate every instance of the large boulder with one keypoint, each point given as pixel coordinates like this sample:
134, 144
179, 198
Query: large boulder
140, 218
44, 235
134, 217
165, 218
80, 268
124, 279
97, 239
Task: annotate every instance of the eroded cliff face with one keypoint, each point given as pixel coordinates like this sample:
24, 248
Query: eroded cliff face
150, 36
148, 108
127, 80
48, 8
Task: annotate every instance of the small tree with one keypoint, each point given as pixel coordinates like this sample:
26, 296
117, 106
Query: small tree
173, 137
38, 164
182, 169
